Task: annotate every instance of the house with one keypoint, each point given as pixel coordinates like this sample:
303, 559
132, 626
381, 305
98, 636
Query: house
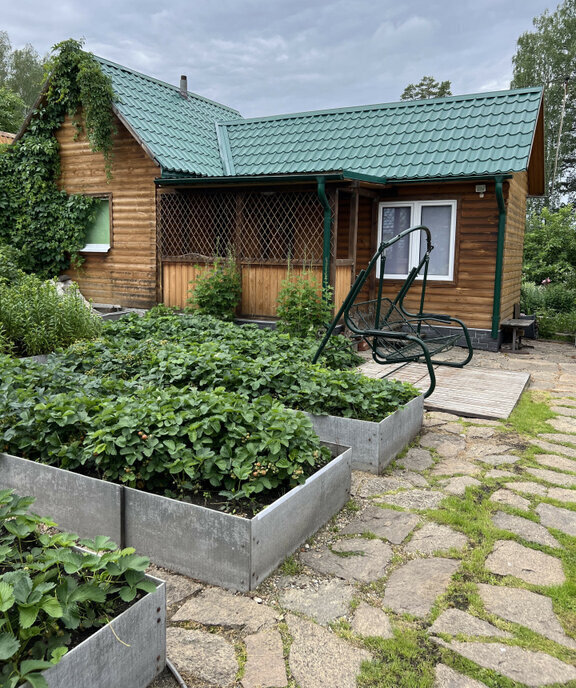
6, 137
192, 180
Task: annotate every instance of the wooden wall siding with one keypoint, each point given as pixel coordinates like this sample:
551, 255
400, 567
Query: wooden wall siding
126, 275
261, 285
470, 295
514, 244
343, 227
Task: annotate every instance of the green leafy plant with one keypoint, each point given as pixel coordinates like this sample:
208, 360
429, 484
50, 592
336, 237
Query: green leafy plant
302, 306
217, 290
50, 591
35, 319
46, 224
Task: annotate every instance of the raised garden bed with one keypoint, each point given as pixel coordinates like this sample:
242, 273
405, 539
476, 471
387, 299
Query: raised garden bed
211, 546
374, 445
129, 652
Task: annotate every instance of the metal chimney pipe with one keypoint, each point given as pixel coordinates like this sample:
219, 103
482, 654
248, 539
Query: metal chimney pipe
184, 86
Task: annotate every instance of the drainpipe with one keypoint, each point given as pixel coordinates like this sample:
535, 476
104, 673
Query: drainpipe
499, 257
327, 225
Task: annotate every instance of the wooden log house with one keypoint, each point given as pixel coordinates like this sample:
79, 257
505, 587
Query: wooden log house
193, 181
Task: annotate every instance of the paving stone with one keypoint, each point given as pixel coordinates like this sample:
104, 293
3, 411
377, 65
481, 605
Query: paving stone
458, 485
499, 459
370, 621
413, 478
564, 410
414, 587
367, 560
556, 517
498, 473
379, 484
455, 466
526, 529
554, 477
480, 433
564, 425
455, 622
511, 559
510, 498
524, 666
528, 488
562, 494
455, 428
325, 602
217, 607
558, 437
178, 587
434, 537
441, 416
446, 445
525, 608
445, 677
562, 463
264, 661
395, 526
558, 448
483, 421
416, 459
319, 658
203, 655
416, 499
477, 449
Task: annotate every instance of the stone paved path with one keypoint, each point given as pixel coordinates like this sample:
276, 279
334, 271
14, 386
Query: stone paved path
484, 599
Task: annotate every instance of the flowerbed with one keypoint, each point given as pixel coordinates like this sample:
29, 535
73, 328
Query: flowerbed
53, 595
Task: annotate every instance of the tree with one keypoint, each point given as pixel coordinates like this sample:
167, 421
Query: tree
547, 57
11, 109
427, 87
550, 245
21, 76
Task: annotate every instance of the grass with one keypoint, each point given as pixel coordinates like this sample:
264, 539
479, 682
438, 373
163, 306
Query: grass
531, 415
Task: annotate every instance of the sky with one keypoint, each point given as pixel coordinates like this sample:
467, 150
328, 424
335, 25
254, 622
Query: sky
266, 57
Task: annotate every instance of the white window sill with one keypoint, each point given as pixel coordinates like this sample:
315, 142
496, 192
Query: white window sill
95, 248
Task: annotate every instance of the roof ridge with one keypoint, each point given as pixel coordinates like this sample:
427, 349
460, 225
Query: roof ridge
164, 83
386, 106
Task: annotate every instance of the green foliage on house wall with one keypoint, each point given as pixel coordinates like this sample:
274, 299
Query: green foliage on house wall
46, 224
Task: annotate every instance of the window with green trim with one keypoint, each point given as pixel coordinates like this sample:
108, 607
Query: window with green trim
99, 232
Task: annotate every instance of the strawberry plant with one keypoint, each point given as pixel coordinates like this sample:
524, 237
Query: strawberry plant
52, 593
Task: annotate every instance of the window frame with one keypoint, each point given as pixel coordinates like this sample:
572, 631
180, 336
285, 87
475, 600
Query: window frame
101, 248
414, 238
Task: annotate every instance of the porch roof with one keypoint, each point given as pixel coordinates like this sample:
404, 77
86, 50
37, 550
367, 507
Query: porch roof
458, 136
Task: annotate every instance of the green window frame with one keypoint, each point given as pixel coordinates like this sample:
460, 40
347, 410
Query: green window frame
99, 234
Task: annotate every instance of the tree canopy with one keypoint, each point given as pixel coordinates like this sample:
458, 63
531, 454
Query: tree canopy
550, 245
427, 87
546, 57
21, 77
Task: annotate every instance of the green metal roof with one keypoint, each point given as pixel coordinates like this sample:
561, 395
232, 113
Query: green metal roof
458, 136
179, 133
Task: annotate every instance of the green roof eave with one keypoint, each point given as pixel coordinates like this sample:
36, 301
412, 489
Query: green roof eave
341, 175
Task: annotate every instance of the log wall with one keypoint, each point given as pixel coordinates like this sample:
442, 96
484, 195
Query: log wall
514, 244
125, 275
470, 295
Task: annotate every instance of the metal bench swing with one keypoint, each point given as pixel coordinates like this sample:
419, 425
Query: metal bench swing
395, 335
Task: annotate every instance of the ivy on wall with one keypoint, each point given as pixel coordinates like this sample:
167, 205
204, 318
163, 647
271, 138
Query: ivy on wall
46, 224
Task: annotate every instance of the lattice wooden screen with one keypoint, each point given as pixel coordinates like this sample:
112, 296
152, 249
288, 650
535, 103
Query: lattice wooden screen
257, 227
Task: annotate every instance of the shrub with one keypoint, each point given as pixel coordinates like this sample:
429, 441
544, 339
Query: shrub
49, 591
36, 319
10, 271
557, 297
531, 297
217, 291
302, 308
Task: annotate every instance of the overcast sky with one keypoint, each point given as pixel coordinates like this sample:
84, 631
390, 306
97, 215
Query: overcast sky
266, 57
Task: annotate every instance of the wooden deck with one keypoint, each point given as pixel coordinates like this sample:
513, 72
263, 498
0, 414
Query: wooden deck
471, 392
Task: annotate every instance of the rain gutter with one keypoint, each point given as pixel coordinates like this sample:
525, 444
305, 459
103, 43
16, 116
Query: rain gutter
321, 181
499, 256
333, 176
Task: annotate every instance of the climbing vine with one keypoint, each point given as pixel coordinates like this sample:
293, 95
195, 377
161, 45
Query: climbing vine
46, 224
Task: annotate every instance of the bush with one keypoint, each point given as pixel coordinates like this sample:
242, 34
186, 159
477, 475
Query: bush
531, 297
10, 260
302, 308
36, 319
558, 298
217, 291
